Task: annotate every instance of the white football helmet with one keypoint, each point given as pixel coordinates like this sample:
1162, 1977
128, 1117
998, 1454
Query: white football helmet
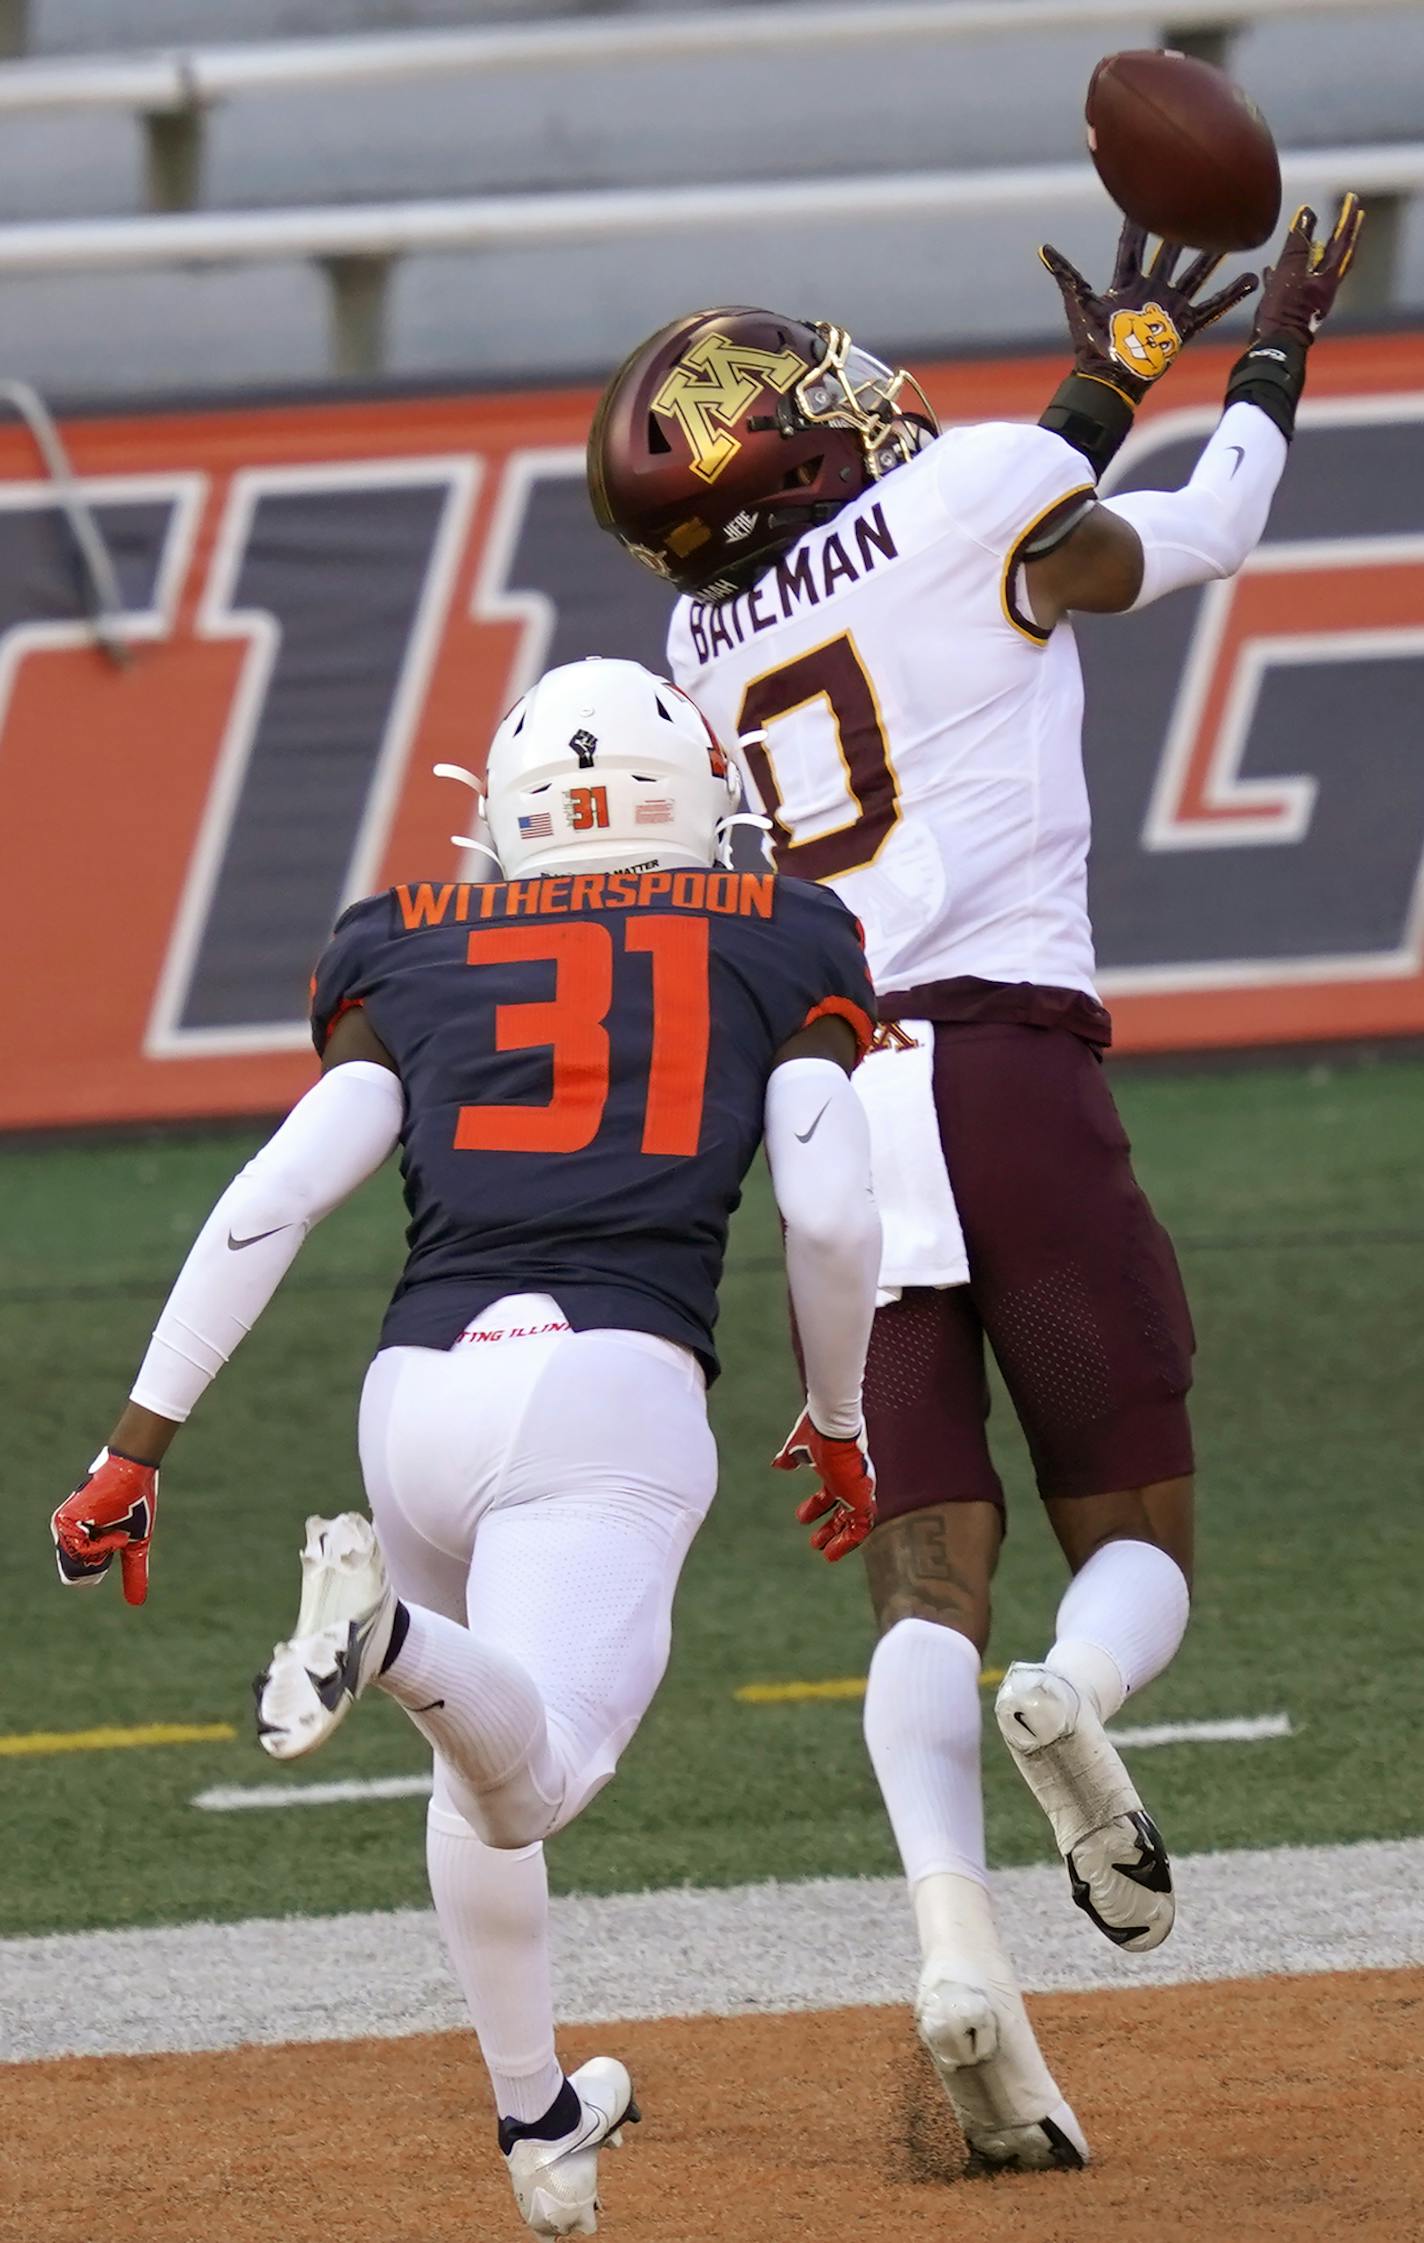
603, 767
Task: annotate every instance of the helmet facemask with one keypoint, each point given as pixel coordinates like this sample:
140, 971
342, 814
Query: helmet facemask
851, 388
848, 390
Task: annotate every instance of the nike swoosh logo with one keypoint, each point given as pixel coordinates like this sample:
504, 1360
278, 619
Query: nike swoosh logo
1024, 1720
1240, 456
236, 1244
804, 1136
433, 1707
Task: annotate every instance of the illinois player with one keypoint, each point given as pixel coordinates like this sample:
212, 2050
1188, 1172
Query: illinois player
578, 1061
877, 611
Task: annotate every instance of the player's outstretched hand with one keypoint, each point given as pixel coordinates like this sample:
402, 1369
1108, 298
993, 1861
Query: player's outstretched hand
111, 1515
1300, 289
844, 1503
1130, 334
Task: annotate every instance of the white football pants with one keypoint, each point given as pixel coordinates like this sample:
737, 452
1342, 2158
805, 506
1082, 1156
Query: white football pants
542, 1487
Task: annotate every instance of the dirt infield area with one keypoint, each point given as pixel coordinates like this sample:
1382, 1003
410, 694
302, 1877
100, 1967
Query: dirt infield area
1266, 2111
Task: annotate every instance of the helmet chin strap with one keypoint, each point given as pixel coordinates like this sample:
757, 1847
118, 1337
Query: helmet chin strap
478, 844
726, 834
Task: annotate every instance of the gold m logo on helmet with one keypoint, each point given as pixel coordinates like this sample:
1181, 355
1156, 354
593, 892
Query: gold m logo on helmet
1144, 342
710, 388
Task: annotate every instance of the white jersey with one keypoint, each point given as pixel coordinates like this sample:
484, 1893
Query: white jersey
921, 737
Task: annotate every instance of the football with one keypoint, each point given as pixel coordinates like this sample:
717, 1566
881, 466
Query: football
1183, 151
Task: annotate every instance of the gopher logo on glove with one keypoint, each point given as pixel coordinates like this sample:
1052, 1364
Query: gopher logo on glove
1144, 342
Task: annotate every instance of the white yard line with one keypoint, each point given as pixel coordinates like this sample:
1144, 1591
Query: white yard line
829, 1944
1245, 1729
231, 1799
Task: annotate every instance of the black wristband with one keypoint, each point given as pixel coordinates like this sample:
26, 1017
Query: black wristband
1271, 375
1090, 415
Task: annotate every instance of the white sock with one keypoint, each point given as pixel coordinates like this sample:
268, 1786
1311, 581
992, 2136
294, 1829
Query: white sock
1121, 1622
485, 1718
493, 1908
959, 1939
922, 1722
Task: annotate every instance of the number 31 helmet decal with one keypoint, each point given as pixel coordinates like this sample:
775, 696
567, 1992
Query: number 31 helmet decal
603, 767
729, 434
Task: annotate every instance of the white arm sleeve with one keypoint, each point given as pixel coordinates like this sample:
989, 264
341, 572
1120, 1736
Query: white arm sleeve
331, 1141
1207, 528
818, 1148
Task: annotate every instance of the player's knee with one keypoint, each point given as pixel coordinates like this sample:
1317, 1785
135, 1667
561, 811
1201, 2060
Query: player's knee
508, 1817
1160, 1515
909, 1653
941, 1605
513, 1834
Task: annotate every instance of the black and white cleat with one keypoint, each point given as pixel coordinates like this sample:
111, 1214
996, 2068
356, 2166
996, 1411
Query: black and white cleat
1118, 1870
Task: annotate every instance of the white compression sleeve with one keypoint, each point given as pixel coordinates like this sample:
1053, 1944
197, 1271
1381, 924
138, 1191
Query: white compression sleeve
332, 1140
1207, 528
818, 1148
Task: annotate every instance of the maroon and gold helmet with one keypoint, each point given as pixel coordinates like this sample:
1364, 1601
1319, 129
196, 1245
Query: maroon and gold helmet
731, 433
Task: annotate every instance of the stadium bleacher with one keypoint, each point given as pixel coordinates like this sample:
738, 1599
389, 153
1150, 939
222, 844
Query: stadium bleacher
807, 110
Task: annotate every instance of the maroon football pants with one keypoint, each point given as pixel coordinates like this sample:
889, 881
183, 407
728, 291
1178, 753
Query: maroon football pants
1073, 1282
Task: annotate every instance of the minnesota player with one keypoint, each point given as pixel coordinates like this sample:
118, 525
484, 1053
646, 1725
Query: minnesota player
877, 612
578, 1061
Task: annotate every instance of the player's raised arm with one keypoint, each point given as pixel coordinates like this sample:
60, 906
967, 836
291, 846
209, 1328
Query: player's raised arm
1130, 550
332, 1140
818, 1149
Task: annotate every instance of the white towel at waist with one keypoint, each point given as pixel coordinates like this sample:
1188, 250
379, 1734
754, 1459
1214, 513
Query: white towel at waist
924, 1243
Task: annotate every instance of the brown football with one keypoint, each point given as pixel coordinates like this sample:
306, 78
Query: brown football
1183, 151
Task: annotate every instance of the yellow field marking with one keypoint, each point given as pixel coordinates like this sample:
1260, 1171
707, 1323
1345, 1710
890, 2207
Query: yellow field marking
805, 1693
113, 1740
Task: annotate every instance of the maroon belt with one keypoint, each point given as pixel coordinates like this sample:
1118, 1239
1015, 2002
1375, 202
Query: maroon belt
966, 1000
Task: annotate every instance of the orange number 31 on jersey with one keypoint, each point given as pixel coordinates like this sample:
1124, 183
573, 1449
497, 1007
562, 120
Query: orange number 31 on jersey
572, 1026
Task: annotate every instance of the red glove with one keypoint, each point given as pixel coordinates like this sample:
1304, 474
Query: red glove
845, 1501
110, 1516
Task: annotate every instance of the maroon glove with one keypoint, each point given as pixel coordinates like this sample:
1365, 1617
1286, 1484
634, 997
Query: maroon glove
1129, 335
1299, 293
1300, 290
111, 1515
845, 1501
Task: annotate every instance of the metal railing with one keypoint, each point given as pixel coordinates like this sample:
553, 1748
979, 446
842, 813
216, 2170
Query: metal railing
396, 229
194, 78
171, 95
357, 245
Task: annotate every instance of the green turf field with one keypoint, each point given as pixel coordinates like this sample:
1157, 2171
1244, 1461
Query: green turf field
1297, 1198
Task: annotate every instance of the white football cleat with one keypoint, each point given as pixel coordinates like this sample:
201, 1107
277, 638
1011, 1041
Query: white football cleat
1117, 1864
556, 2183
343, 1629
1004, 2096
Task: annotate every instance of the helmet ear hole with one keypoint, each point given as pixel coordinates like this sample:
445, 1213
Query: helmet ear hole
657, 438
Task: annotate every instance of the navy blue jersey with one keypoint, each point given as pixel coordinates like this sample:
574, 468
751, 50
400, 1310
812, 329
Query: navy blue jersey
585, 1062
